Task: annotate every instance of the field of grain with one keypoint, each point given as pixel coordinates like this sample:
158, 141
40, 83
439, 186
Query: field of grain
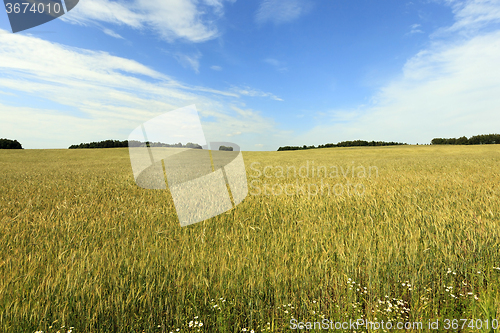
83, 249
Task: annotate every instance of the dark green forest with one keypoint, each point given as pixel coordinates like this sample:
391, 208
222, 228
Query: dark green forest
10, 144
356, 143
484, 139
473, 140
132, 143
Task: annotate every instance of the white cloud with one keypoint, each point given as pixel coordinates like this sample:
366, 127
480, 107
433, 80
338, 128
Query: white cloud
443, 93
280, 66
247, 91
450, 89
237, 121
472, 15
217, 5
105, 11
281, 11
415, 29
216, 68
96, 96
192, 60
273, 62
174, 19
111, 33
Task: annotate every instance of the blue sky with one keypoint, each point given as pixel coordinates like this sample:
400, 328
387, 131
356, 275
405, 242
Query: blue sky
262, 74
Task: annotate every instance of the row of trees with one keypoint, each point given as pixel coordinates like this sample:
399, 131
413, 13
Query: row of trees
355, 143
483, 139
101, 144
10, 144
132, 143
165, 145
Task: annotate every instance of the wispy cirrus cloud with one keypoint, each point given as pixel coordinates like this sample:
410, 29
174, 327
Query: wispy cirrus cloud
111, 33
415, 29
471, 16
278, 65
188, 20
241, 121
92, 95
189, 60
449, 89
121, 14
281, 11
247, 91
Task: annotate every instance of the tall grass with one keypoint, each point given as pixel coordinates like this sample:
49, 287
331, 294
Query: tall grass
81, 246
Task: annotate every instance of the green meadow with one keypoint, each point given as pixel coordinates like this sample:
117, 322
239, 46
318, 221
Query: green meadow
83, 249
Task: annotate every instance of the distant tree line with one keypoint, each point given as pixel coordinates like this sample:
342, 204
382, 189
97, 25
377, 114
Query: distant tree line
484, 139
225, 148
166, 145
101, 144
10, 144
356, 143
132, 143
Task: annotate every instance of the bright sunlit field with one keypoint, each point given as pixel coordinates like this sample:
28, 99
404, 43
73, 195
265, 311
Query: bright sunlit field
83, 249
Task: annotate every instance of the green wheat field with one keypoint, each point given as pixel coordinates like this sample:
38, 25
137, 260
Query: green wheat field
83, 249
